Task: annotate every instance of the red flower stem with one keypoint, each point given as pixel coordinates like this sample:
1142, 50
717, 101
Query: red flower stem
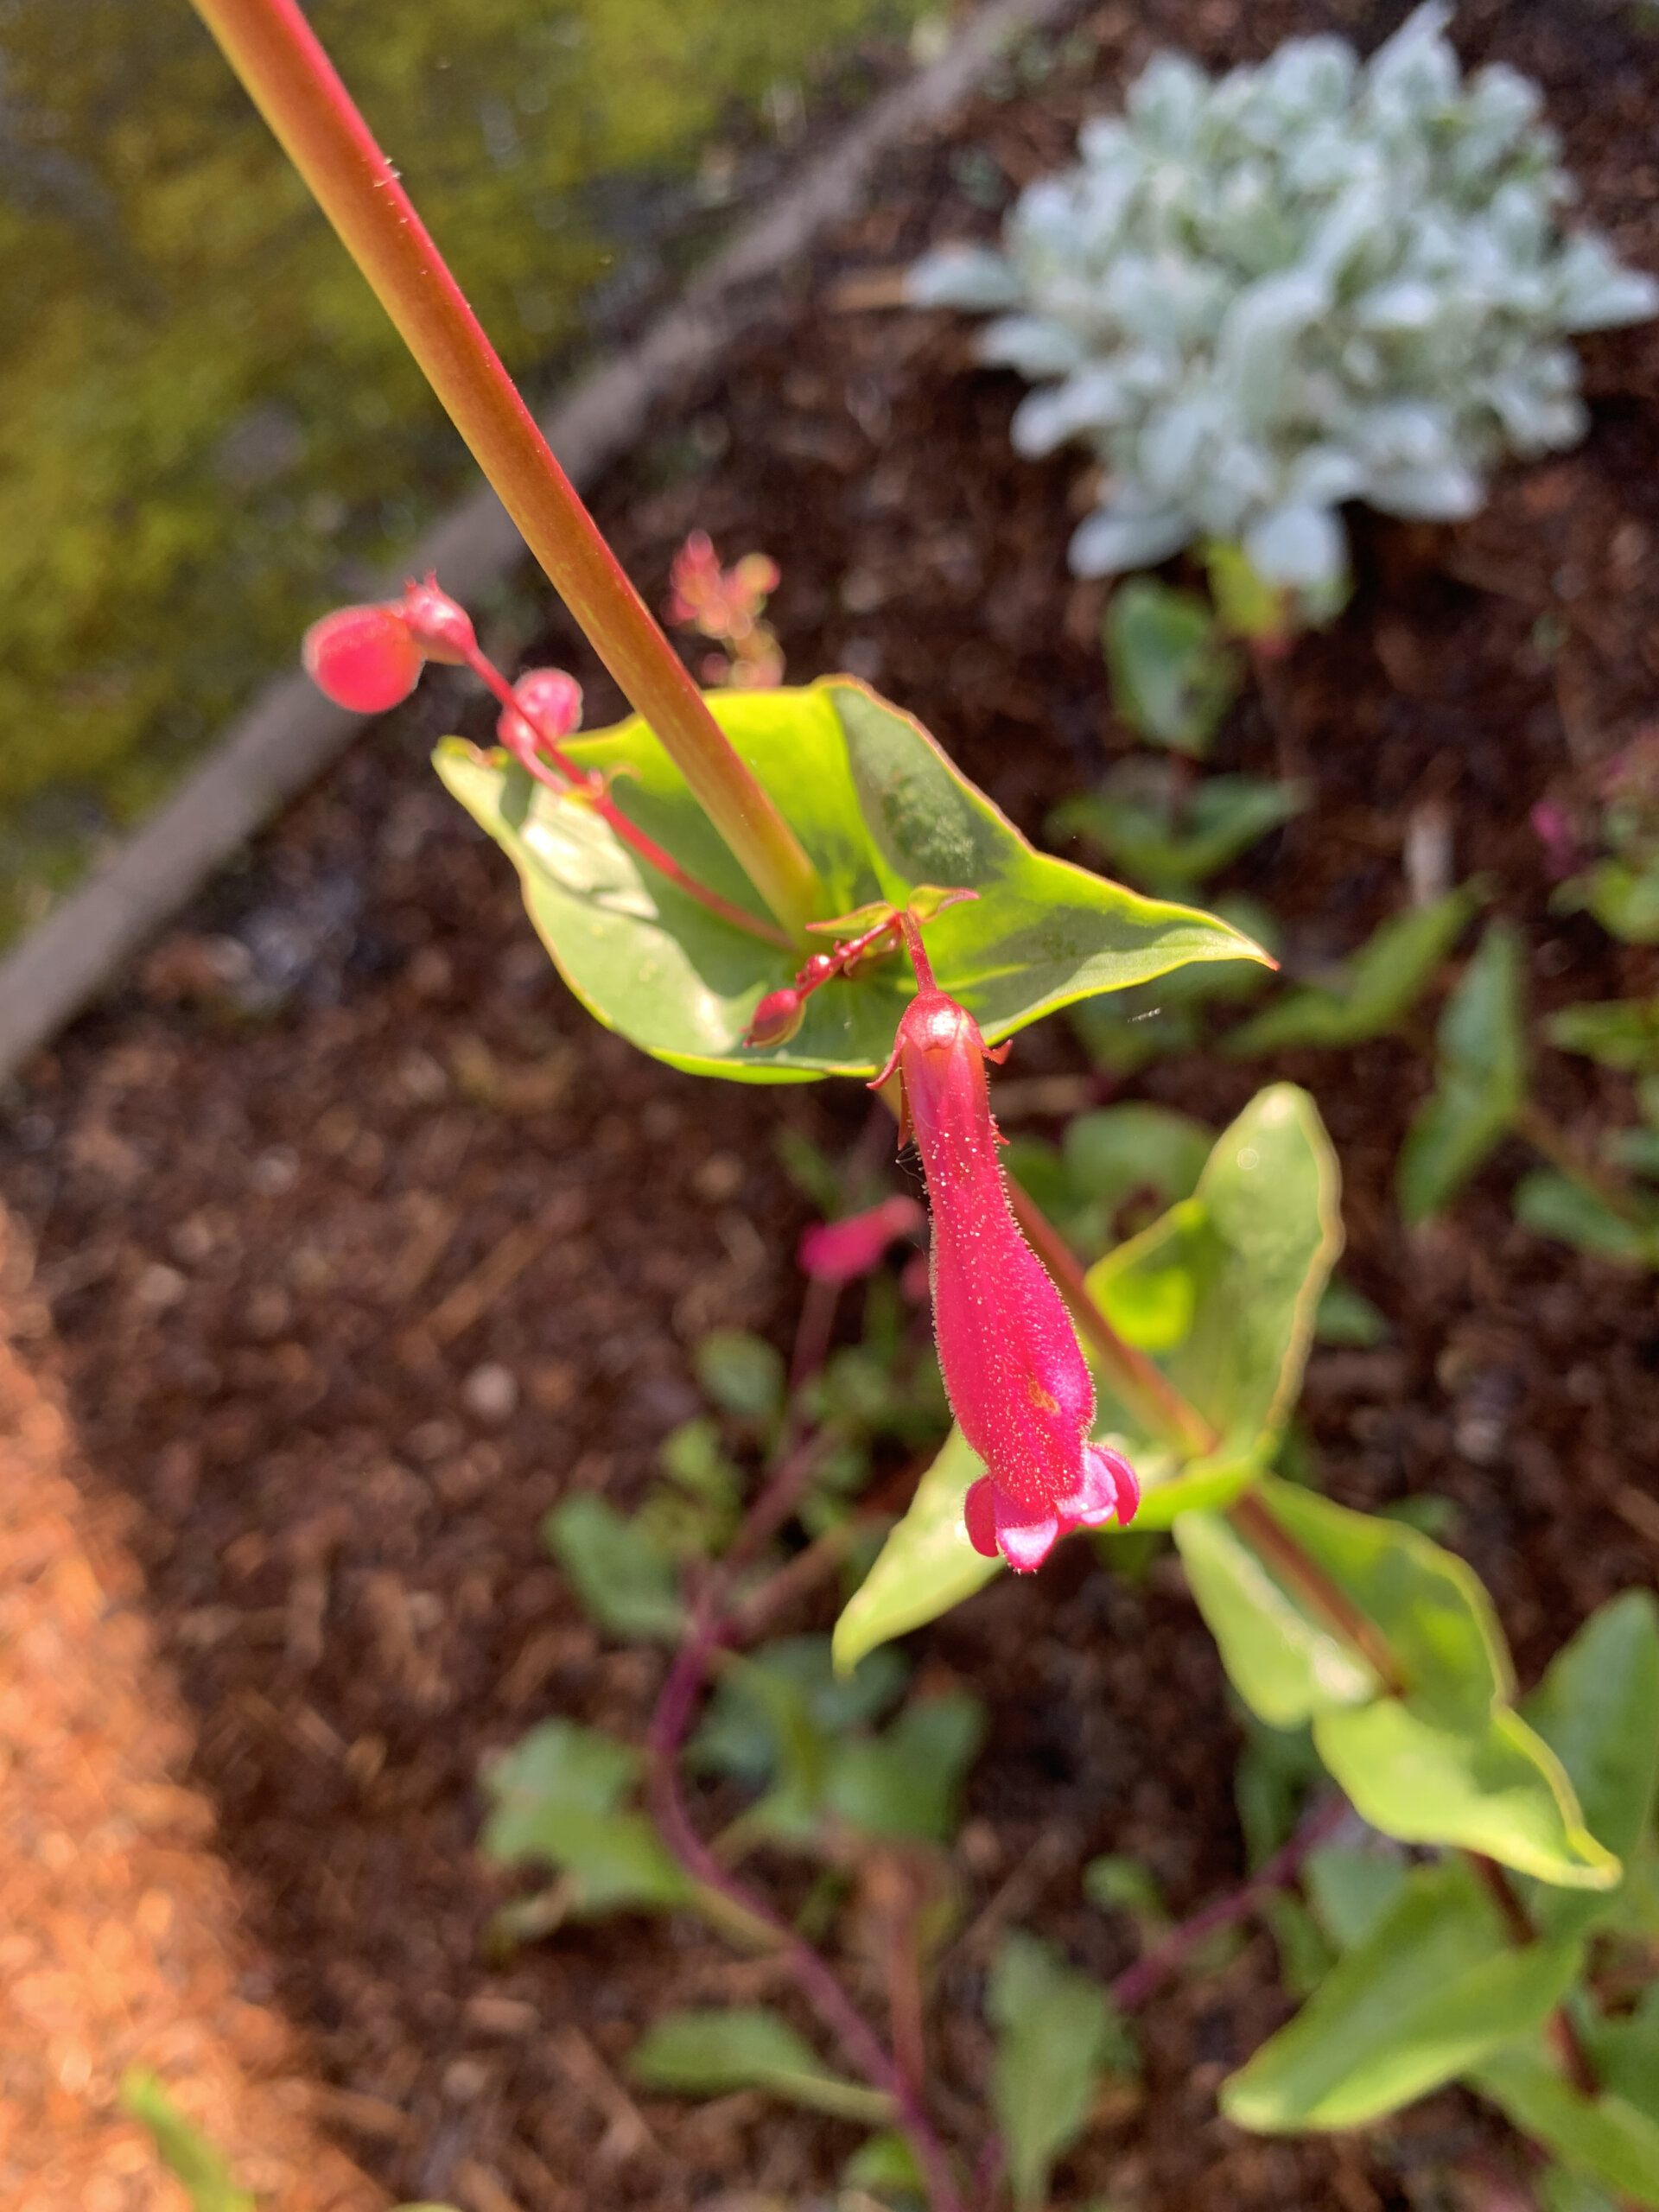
918, 950
669, 1725
283, 65
589, 790
1137, 1983
1136, 1378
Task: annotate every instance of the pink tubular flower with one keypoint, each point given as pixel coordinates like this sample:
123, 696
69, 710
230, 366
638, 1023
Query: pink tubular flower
836, 1251
1018, 1383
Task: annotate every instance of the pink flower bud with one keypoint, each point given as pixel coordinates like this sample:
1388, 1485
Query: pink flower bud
552, 704
777, 1018
1554, 829
1017, 1381
362, 657
836, 1251
442, 629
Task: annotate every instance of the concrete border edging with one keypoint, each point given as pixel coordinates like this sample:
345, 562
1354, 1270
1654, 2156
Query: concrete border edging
289, 734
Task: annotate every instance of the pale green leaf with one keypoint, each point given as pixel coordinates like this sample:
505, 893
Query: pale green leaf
202, 2170
1602, 2136
1055, 2033
711, 2053
626, 1581
1435, 1986
881, 811
1480, 1081
1373, 991
926, 1565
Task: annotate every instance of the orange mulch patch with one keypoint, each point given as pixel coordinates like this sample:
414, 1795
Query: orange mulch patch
118, 1937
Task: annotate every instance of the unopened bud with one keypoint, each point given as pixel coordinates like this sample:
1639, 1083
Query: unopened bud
363, 657
441, 628
777, 1018
552, 708
836, 1251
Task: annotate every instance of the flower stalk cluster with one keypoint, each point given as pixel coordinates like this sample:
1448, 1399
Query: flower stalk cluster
727, 605
369, 658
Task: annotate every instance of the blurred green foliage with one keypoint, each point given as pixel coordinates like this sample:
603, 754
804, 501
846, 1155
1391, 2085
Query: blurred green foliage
208, 431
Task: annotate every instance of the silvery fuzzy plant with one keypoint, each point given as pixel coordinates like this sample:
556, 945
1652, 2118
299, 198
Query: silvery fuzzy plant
1318, 280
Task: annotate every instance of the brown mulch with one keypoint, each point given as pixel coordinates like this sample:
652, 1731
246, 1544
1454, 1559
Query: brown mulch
283, 1286
120, 1938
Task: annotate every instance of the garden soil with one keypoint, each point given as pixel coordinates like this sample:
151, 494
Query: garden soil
342, 1244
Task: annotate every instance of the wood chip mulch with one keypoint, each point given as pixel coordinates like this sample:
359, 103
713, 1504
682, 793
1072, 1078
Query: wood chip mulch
120, 1940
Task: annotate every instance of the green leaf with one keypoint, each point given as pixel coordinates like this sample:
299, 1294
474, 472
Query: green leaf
907, 1782
1257, 1241
1117, 1883
1622, 897
881, 811
1167, 835
738, 1735
1433, 1989
1597, 1709
1491, 1788
1373, 991
557, 1797
183, 2148
1285, 1665
1553, 1206
1603, 2137
1172, 678
800, 1749
926, 1565
1560, 2189
1122, 1031
1480, 1080
1346, 1317
1351, 1889
626, 1582
1116, 1151
1624, 2054
1620, 1033
885, 2167
711, 2053
741, 1374
1448, 1762
1277, 1771
1056, 2034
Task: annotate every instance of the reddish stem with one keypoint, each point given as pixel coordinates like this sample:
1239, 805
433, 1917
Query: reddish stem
589, 790
1569, 2048
1137, 1983
918, 950
1275, 1544
670, 1726
294, 84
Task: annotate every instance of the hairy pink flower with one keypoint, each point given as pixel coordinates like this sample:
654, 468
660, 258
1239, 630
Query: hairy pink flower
836, 1251
1017, 1381
362, 657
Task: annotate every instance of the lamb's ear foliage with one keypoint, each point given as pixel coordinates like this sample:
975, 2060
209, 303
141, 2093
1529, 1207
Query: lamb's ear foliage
1316, 280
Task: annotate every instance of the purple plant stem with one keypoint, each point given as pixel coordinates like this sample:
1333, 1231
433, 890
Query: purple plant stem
669, 1725
1137, 1983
